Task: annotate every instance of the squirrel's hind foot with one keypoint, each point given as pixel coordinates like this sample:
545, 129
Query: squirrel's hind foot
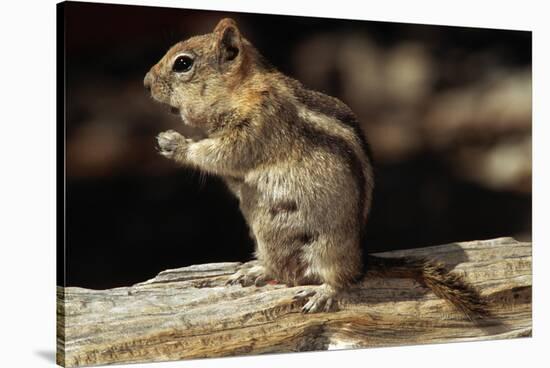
324, 299
248, 276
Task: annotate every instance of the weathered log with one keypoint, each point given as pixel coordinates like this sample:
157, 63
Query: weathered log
190, 313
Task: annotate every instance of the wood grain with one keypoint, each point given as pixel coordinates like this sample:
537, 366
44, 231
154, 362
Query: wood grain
189, 312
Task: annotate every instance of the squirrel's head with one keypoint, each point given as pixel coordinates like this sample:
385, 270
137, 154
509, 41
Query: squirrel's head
198, 76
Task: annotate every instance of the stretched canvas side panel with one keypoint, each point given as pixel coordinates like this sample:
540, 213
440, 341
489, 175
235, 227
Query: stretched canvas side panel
60, 211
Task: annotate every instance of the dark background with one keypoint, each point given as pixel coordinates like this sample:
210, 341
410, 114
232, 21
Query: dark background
447, 111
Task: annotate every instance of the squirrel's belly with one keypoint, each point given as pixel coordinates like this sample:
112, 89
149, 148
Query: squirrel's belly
282, 245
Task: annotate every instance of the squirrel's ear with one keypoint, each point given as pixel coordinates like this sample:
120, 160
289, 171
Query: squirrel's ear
228, 39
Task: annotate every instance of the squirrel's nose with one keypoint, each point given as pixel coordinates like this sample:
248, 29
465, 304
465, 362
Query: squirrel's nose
147, 81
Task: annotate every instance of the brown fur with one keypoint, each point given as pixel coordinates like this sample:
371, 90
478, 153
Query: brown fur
296, 159
433, 275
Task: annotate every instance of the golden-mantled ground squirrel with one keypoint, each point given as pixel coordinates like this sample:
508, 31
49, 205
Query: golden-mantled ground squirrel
296, 159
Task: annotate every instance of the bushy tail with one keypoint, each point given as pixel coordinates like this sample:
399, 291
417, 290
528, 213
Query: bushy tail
446, 285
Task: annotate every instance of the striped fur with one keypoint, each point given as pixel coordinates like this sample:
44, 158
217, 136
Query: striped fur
296, 159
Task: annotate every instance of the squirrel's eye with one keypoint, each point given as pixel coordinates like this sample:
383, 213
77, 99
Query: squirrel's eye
182, 64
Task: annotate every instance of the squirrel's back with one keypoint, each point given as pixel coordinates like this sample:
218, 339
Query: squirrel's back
323, 122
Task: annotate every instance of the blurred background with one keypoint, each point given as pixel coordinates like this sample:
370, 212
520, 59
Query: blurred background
447, 111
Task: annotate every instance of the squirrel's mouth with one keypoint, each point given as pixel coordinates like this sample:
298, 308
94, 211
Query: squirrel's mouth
174, 110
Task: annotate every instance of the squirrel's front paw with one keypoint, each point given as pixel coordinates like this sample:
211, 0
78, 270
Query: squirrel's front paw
170, 142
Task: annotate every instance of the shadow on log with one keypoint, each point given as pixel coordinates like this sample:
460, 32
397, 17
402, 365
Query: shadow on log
189, 313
